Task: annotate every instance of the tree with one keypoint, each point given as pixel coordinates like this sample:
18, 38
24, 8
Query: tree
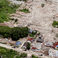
16, 20
28, 45
34, 56
3, 51
46, 0
15, 33
42, 5
23, 55
18, 32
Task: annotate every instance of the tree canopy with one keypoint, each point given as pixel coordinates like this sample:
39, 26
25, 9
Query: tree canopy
15, 33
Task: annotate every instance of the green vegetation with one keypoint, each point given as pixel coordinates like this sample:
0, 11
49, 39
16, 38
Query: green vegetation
12, 19
16, 20
34, 56
24, 10
15, 33
34, 32
6, 53
18, 32
42, 5
9, 53
22, 0
38, 33
31, 35
57, 35
23, 55
6, 8
55, 24
28, 45
5, 31
46, 0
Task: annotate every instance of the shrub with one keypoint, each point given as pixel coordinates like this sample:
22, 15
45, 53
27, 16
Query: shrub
23, 55
2, 51
31, 35
34, 32
28, 45
18, 57
12, 19
42, 5
11, 50
34, 56
46, 0
22, 0
38, 33
24, 10
55, 24
16, 20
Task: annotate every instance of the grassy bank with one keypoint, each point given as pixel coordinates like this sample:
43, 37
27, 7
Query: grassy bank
6, 8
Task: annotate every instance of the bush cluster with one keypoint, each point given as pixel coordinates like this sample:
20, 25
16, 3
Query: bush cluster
42, 5
34, 56
28, 45
46, 0
34, 32
6, 53
23, 55
55, 24
22, 0
9, 53
15, 33
24, 10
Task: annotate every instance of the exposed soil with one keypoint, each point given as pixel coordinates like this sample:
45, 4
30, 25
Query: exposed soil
39, 18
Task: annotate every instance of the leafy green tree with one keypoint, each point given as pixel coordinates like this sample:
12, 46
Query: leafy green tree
18, 57
18, 32
23, 0
15, 33
42, 5
5, 31
24, 10
16, 20
46, 0
2, 51
55, 24
34, 56
23, 55
28, 45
